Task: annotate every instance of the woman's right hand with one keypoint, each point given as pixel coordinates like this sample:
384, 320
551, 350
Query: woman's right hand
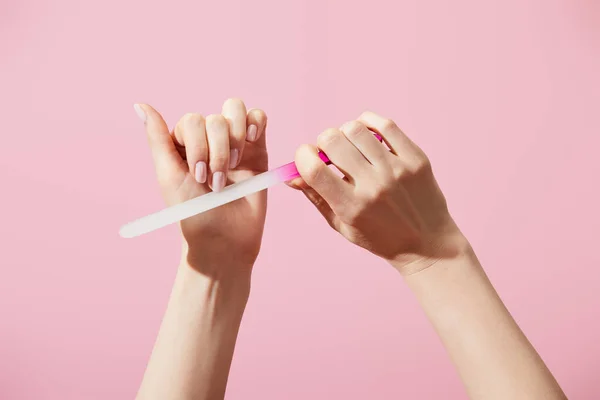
388, 201
390, 204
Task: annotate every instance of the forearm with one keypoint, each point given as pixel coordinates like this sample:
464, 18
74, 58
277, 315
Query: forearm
192, 355
493, 357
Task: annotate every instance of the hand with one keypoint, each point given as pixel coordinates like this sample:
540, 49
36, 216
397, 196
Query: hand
208, 153
388, 201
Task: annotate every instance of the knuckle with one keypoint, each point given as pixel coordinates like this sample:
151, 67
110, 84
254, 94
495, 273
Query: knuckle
419, 166
218, 160
328, 137
330, 133
423, 164
399, 173
353, 128
303, 153
309, 166
313, 172
237, 135
193, 119
388, 124
199, 148
366, 115
215, 119
237, 138
389, 183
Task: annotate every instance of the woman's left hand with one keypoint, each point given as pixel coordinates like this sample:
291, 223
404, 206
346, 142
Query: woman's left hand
203, 154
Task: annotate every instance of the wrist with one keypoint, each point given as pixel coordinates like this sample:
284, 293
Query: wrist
224, 266
452, 250
225, 294
218, 280
458, 270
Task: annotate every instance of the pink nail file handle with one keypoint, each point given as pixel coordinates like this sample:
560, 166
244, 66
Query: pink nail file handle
289, 171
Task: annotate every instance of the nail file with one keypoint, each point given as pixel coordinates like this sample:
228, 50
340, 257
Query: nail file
209, 201
212, 200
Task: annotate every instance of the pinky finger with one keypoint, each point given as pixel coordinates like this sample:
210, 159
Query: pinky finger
256, 123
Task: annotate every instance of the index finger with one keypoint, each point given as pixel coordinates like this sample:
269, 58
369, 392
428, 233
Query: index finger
321, 178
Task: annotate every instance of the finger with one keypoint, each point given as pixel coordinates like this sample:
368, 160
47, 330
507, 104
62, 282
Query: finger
190, 132
319, 177
317, 200
397, 141
296, 183
234, 111
167, 160
343, 154
217, 134
322, 206
257, 125
364, 140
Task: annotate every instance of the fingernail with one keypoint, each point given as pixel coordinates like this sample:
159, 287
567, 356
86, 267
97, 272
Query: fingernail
251, 133
200, 173
218, 182
233, 158
140, 112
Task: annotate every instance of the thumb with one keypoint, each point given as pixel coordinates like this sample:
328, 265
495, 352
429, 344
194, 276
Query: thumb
296, 183
318, 201
166, 157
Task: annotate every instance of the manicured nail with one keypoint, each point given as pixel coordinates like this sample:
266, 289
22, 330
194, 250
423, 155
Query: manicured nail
234, 158
140, 112
200, 173
251, 133
218, 182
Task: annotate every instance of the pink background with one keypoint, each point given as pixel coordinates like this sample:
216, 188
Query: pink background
503, 95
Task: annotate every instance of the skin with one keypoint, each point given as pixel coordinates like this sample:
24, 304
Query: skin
388, 202
192, 355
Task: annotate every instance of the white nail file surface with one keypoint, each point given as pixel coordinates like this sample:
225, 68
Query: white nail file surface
201, 204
